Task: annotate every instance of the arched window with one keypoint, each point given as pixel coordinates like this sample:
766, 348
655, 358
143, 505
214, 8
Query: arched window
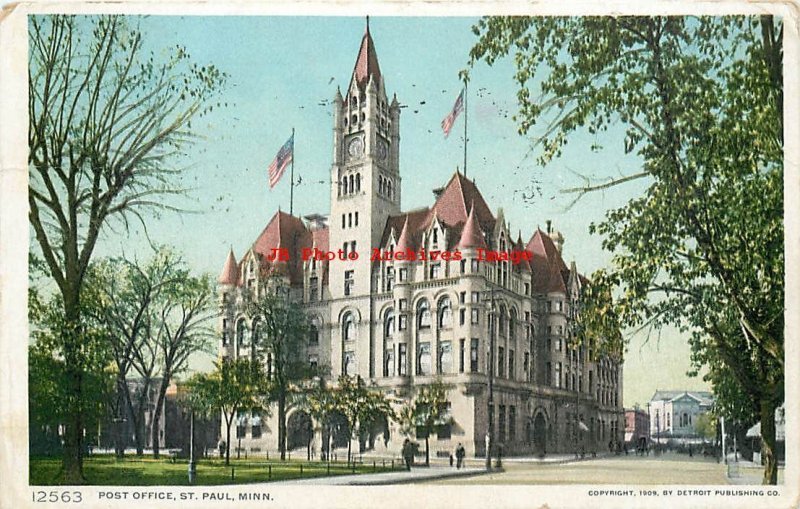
423, 314
349, 327
241, 332
503, 321
354, 121
389, 189
445, 312
512, 325
388, 323
313, 334
256, 334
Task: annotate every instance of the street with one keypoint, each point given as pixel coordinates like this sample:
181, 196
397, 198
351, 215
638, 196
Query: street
669, 468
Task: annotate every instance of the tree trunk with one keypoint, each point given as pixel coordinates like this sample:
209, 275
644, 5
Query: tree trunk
768, 441
123, 404
427, 450
72, 461
162, 392
282, 424
228, 441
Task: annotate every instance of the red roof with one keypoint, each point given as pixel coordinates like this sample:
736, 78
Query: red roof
416, 219
366, 63
471, 236
452, 205
549, 269
230, 271
284, 231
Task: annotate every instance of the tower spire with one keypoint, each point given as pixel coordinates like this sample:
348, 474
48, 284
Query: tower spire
367, 23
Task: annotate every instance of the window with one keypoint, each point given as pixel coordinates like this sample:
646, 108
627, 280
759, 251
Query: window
348, 327
501, 362
445, 357
462, 316
475, 297
241, 333
463, 266
313, 289
435, 237
462, 297
424, 359
313, 362
349, 281
349, 219
501, 424
527, 288
403, 274
435, 270
313, 335
349, 361
476, 316
475, 265
403, 302
423, 314
255, 426
388, 323
548, 374
224, 297
511, 364
512, 325
526, 366
473, 355
389, 278
558, 375
224, 332
356, 219
461, 354
388, 362
401, 359
503, 322
445, 313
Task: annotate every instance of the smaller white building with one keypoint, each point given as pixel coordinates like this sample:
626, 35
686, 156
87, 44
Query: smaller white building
674, 414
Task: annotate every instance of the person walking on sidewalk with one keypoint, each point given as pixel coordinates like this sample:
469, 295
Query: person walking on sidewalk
460, 453
408, 453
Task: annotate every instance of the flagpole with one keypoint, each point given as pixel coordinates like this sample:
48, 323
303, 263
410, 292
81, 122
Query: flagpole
291, 184
465, 128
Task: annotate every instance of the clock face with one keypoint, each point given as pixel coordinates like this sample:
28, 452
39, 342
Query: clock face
355, 147
383, 149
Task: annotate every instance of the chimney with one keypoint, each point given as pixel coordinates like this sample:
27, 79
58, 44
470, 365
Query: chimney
549, 228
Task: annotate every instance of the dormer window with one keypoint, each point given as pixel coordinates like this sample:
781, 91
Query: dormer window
435, 237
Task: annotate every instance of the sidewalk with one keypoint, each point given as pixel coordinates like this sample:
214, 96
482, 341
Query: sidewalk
416, 474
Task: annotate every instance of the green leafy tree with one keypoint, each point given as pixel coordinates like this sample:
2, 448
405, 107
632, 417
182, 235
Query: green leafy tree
320, 403
281, 335
700, 101
361, 406
235, 386
706, 426
107, 123
428, 411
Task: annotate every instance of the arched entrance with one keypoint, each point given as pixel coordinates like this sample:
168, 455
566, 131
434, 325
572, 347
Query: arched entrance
540, 434
299, 430
335, 433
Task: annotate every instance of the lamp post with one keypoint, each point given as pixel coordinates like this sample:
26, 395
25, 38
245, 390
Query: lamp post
490, 372
192, 466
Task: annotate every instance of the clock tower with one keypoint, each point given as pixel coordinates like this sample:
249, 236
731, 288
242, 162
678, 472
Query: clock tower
365, 175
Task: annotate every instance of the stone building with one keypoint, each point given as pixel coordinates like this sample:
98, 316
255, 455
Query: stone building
673, 414
399, 324
637, 427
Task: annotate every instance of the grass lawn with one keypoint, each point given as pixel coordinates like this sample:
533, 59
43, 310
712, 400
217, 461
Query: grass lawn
134, 471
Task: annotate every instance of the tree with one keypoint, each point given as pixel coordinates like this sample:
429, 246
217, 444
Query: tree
281, 332
362, 407
706, 426
429, 410
320, 403
235, 386
183, 330
106, 126
701, 101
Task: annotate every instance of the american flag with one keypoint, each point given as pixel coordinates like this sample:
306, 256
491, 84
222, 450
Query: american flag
281, 161
451, 117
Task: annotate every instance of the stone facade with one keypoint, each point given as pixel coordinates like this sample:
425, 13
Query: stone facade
399, 324
673, 414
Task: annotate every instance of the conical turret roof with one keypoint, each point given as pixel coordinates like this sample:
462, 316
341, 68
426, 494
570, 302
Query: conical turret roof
230, 271
471, 235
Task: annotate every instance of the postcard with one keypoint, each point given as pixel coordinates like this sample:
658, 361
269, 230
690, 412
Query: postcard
429, 254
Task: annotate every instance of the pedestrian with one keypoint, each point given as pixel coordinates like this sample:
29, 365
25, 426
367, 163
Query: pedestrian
408, 453
222, 448
460, 453
451, 459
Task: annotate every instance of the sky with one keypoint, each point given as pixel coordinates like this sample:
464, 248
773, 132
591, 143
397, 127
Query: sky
283, 72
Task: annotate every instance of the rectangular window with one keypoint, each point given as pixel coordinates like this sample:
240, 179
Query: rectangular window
462, 298
475, 265
445, 357
527, 288
462, 316
403, 274
349, 281
475, 297
435, 270
461, 354
388, 362
512, 423
558, 375
344, 248
548, 374
473, 355
402, 323
501, 363
255, 431
424, 359
343, 221
403, 302
476, 316
463, 266
313, 362
389, 278
511, 364
350, 220
526, 366
313, 289
401, 359
356, 218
